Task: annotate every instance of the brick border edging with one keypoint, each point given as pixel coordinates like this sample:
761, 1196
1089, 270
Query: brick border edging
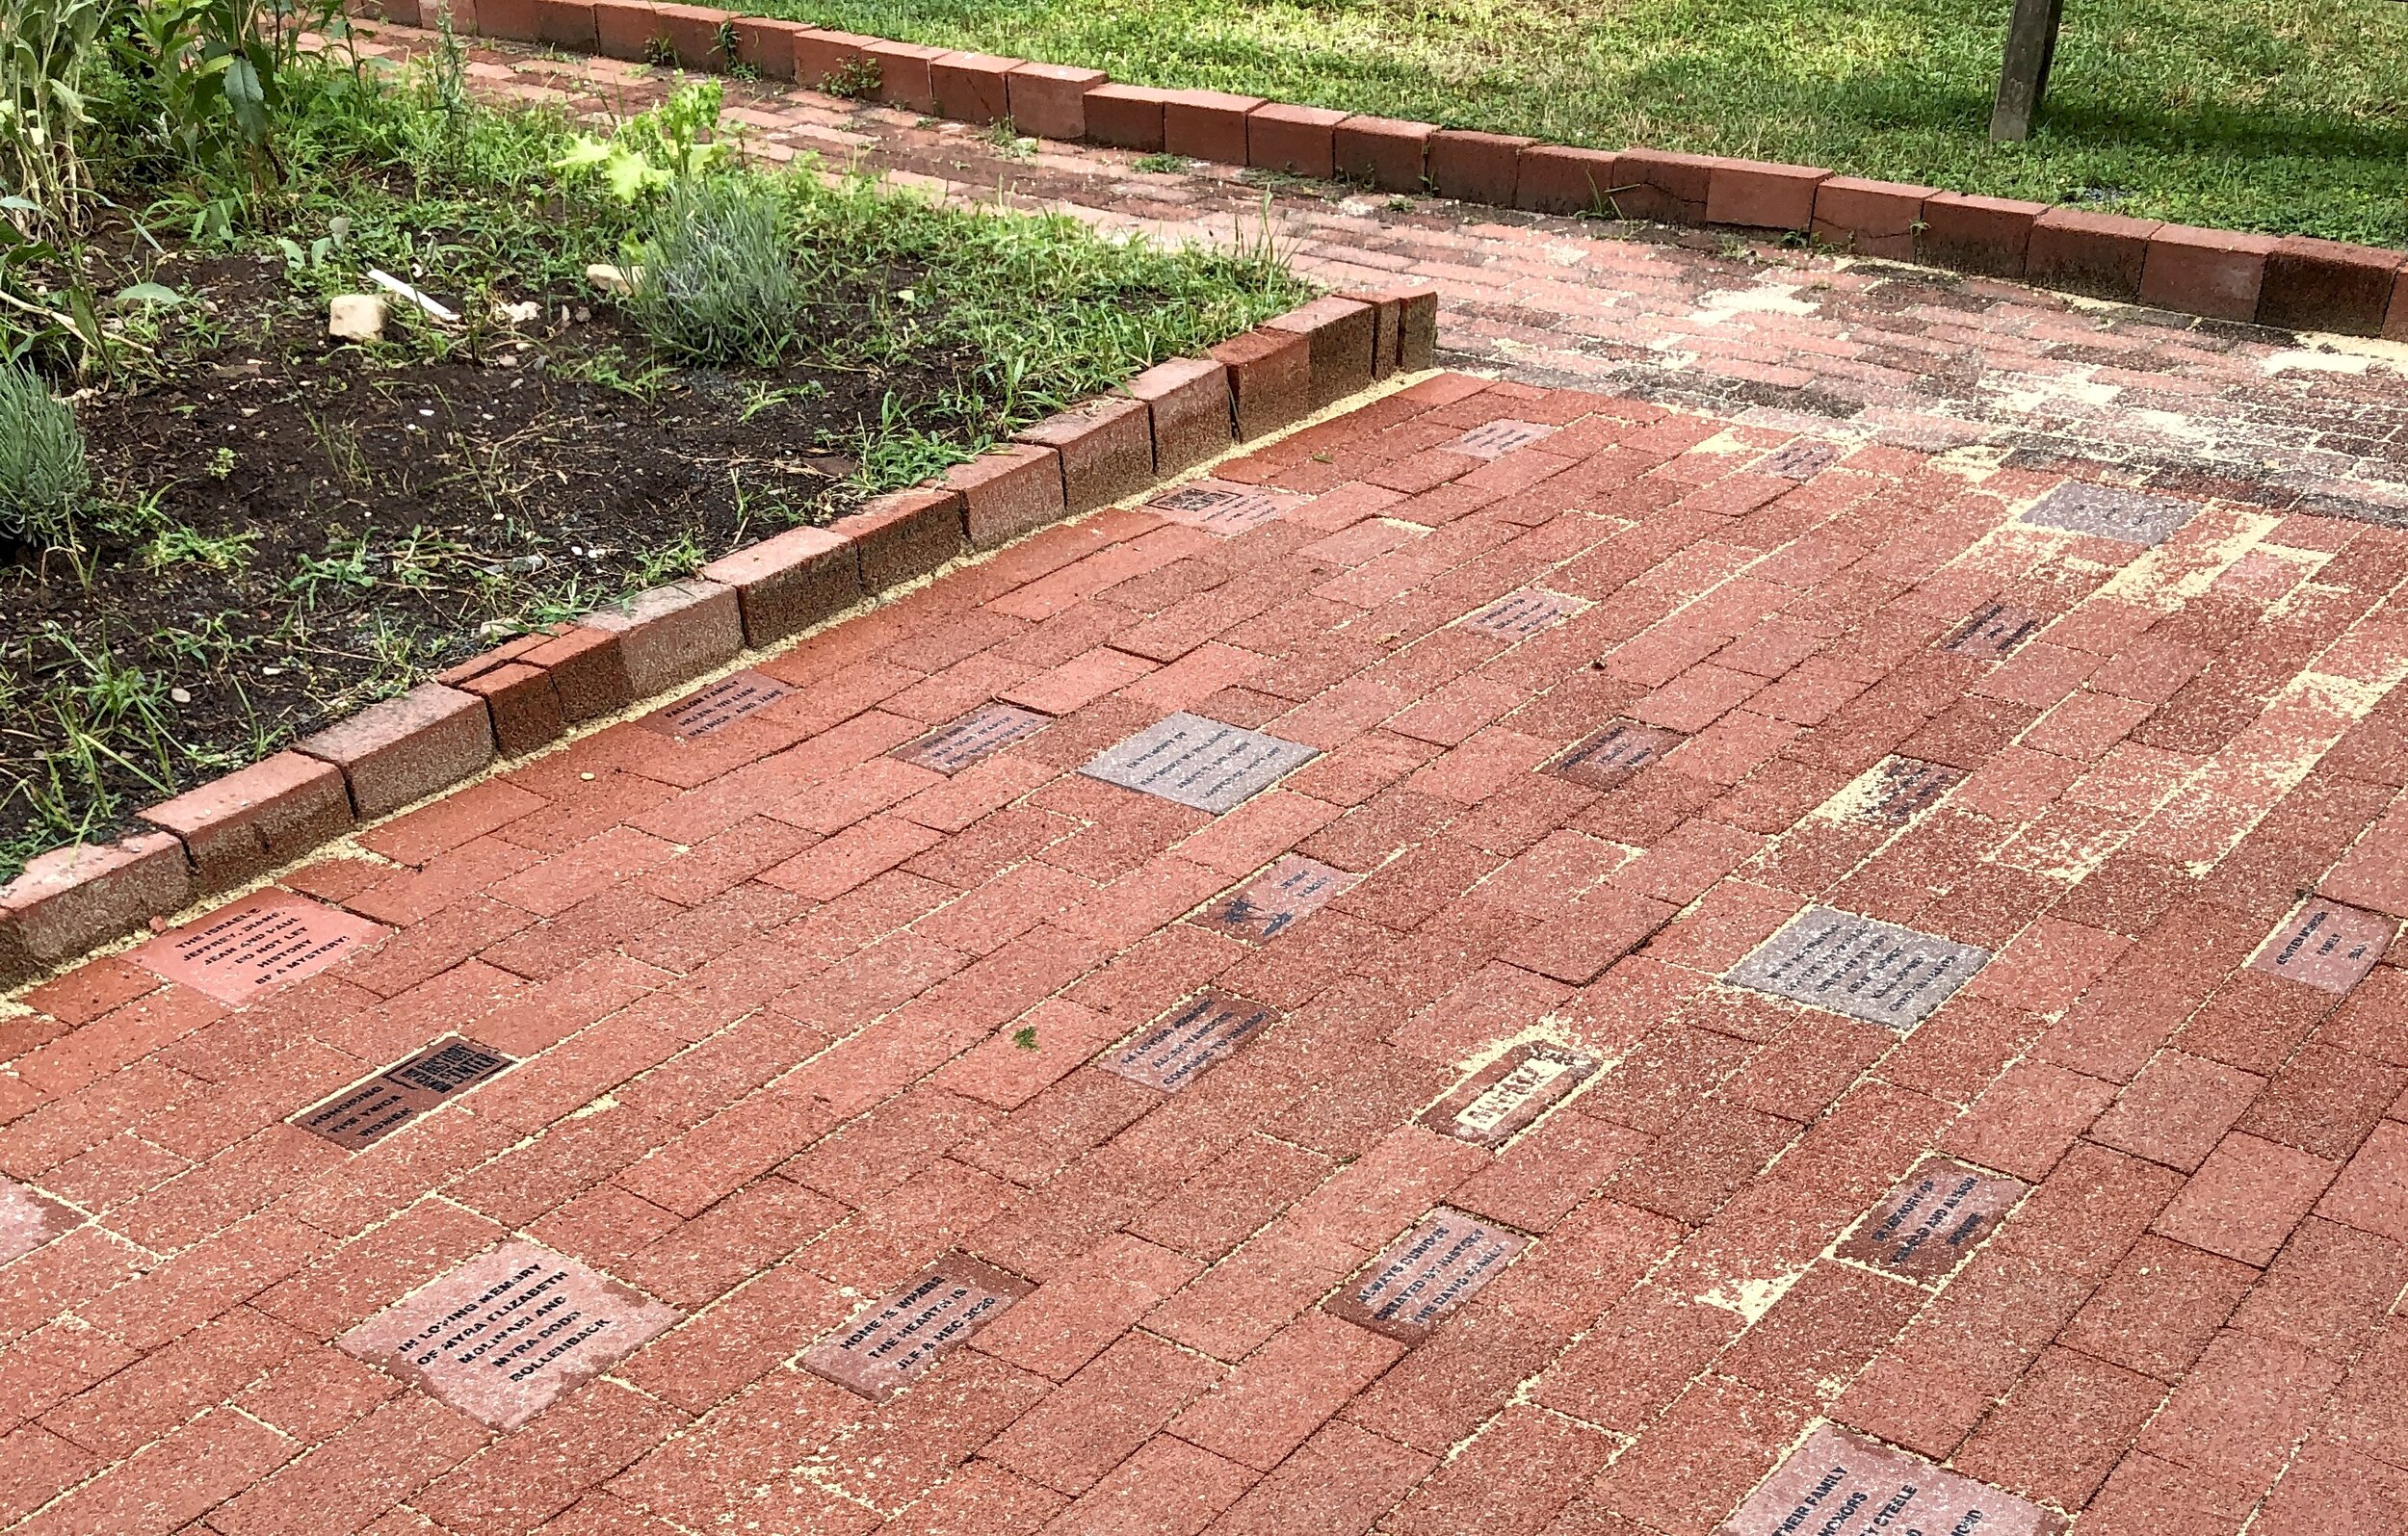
2295, 283
526, 694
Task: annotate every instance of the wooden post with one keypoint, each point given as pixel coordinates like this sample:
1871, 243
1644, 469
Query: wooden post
2030, 47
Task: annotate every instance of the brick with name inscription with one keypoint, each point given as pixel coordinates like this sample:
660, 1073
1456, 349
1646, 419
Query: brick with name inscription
29, 1220
1519, 615
503, 1337
1840, 1484
2327, 946
1506, 1097
1903, 788
269, 939
899, 1339
1199, 762
1993, 633
1219, 507
1859, 966
1427, 1274
1802, 459
1609, 756
721, 705
1924, 1228
1498, 438
363, 1115
1277, 900
2110, 512
972, 739
1189, 1040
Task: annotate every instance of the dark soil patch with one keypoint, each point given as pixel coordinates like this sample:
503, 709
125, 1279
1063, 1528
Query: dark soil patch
348, 519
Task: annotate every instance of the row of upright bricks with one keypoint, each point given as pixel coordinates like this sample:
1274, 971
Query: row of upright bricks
530, 691
2293, 282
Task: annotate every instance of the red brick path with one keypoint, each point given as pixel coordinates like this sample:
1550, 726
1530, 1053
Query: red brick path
1864, 352
795, 1019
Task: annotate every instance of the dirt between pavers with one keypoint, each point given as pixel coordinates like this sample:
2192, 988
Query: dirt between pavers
846, 1060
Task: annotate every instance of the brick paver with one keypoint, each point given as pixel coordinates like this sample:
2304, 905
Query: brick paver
1712, 990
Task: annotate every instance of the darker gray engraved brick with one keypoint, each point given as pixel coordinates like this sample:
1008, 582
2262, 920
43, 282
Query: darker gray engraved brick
364, 1115
1924, 1229
1426, 1274
972, 739
1188, 1041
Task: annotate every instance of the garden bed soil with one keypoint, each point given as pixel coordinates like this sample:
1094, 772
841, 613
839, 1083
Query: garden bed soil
389, 513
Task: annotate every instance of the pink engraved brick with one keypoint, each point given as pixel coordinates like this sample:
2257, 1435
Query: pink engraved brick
265, 940
503, 1337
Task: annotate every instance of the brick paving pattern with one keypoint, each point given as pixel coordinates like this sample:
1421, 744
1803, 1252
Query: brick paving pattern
1854, 353
851, 1119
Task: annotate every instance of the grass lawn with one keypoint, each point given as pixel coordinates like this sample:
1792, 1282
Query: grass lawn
2284, 116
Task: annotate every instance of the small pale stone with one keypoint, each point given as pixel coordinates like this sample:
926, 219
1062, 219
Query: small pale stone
355, 317
611, 281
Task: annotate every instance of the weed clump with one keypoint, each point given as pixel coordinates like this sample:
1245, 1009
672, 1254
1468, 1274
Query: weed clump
41, 459
715, 283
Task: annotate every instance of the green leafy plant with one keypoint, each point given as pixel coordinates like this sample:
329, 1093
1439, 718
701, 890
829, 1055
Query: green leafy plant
655, 150
222, 74
42, 474
714, 281
47, 48
856, 79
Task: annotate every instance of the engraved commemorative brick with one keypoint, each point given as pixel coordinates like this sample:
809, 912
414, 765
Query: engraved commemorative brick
1906, 787
268, 939
2110, 512
1841, 1484
503, 1337
1199, 762
1802, 459
1862, 967
1993, 634
1277, 900
721, 705
1498, 438
1426, 1274
1218, 506
1519, 615
2326, 945
28, 1220
364, 1115
1189, 1040
1506, 1097
1924, 1228
1608, 757
895, 1341
972, 739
